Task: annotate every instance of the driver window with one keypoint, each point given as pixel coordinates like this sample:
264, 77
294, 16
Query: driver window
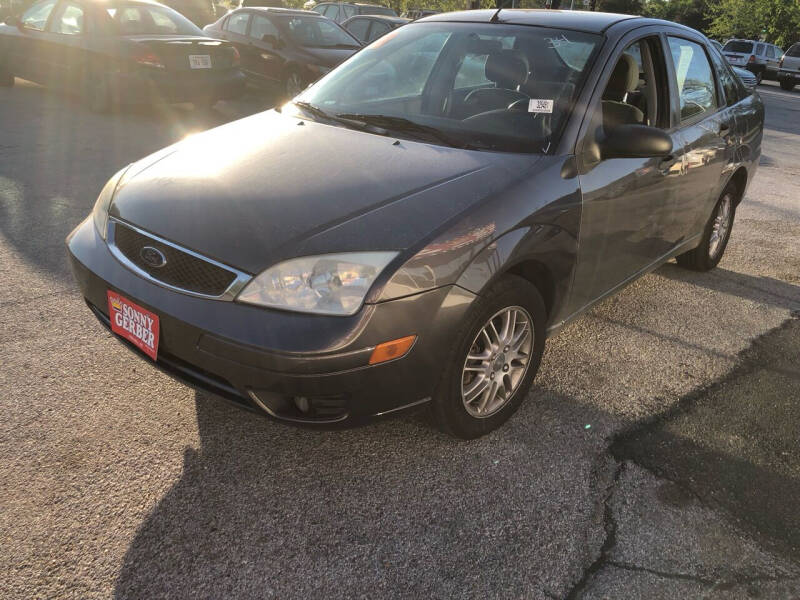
36, 16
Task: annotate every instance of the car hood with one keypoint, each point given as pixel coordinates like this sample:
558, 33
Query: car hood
271, 187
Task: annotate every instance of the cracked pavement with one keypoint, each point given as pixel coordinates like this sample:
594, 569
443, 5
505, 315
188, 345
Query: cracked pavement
117, 481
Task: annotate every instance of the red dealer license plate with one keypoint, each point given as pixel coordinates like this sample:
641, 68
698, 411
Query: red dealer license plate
134, 323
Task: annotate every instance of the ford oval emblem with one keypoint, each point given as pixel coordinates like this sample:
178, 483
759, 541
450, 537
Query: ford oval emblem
153, 257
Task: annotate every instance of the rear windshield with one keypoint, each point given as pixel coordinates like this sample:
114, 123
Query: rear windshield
376, 10
149, 19
794, 51
313, 31
738, 46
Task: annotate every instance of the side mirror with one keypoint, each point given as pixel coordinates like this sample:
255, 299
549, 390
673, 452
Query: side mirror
270, 39
635, 141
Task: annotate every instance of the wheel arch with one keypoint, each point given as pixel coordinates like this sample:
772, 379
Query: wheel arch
739, 179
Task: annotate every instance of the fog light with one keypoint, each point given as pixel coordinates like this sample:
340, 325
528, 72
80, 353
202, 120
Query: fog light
391, 350
302, 403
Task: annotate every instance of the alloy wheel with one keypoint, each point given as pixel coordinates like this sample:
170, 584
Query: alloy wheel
721, 226
497, 362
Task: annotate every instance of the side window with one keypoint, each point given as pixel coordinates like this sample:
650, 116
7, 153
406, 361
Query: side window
262, 26
36, 16
332, 12
348, 10
636, 92
358, 27
320, 8
238, 23
71, 21
694, 78
378, 29
730, 83
760, 49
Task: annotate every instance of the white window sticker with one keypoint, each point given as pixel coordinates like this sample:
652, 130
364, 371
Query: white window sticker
540, 106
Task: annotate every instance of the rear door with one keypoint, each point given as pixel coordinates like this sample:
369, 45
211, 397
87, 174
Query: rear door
235, 30
707, 127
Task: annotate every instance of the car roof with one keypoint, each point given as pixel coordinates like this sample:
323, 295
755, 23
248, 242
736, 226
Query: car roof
279, 10
582, 20
390, 18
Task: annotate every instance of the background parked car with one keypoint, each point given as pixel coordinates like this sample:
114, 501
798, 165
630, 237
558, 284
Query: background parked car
760, 58
368, 28
10, 8
341, 11
418, 13
789, 68
290, 48
748, 79
261, 3
114, 52
199, 12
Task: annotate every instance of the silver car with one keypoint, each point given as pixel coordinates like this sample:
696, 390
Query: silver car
789, 68
760, 58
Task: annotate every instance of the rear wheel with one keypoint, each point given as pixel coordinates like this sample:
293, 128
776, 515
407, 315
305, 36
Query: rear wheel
6, 77
97, 94
494, 359
787, 84
715, 236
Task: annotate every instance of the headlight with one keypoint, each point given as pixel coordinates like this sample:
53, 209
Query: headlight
329, 284
100, 210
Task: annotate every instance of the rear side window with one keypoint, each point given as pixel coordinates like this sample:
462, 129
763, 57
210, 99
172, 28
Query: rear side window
358, 27
760, 49
694, 78
738, 46
378, 29
731, 86
238, 23
794, 51
36, 16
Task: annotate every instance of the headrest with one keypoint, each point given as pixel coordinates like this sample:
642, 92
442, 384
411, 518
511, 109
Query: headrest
624, 78
507, 68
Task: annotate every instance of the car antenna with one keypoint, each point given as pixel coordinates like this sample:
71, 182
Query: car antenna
495, 16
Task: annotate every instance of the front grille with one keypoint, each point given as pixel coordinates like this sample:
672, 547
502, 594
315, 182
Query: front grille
181, 269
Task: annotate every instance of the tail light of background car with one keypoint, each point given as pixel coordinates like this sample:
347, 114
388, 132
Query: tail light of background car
148, 59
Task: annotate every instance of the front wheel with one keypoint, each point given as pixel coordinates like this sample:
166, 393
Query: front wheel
787, 84
493, 361
715, 236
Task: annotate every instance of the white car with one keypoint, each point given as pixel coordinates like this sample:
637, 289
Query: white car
789, 68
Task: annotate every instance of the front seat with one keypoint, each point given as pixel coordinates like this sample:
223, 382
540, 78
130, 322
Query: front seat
624, 79
508, 69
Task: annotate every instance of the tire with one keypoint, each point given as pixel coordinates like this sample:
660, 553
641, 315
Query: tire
787, 84
500, 365
6, 77
708, 254
97, 94
293, 84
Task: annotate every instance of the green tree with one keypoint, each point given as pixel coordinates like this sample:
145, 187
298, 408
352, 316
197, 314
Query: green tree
778, 21
692, 13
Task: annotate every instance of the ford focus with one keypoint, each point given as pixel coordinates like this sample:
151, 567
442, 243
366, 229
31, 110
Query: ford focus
488, 177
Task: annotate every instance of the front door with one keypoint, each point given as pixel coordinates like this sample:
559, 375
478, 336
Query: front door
627, 202
28, 47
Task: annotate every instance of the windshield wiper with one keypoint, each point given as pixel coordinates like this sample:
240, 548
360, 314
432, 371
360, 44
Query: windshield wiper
320, 114
407, 126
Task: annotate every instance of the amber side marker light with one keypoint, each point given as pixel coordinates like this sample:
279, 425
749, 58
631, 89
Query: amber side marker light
391, 350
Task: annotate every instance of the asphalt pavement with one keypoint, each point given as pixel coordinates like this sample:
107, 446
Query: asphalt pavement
656, 457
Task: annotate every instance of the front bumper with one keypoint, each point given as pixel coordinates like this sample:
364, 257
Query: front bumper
146, 85
267, 358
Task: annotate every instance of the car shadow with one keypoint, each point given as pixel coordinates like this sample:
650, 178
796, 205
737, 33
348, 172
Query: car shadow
762, 290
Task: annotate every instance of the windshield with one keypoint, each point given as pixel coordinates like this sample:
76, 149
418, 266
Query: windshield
737, 46
149, 19
495, 87
316, 32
